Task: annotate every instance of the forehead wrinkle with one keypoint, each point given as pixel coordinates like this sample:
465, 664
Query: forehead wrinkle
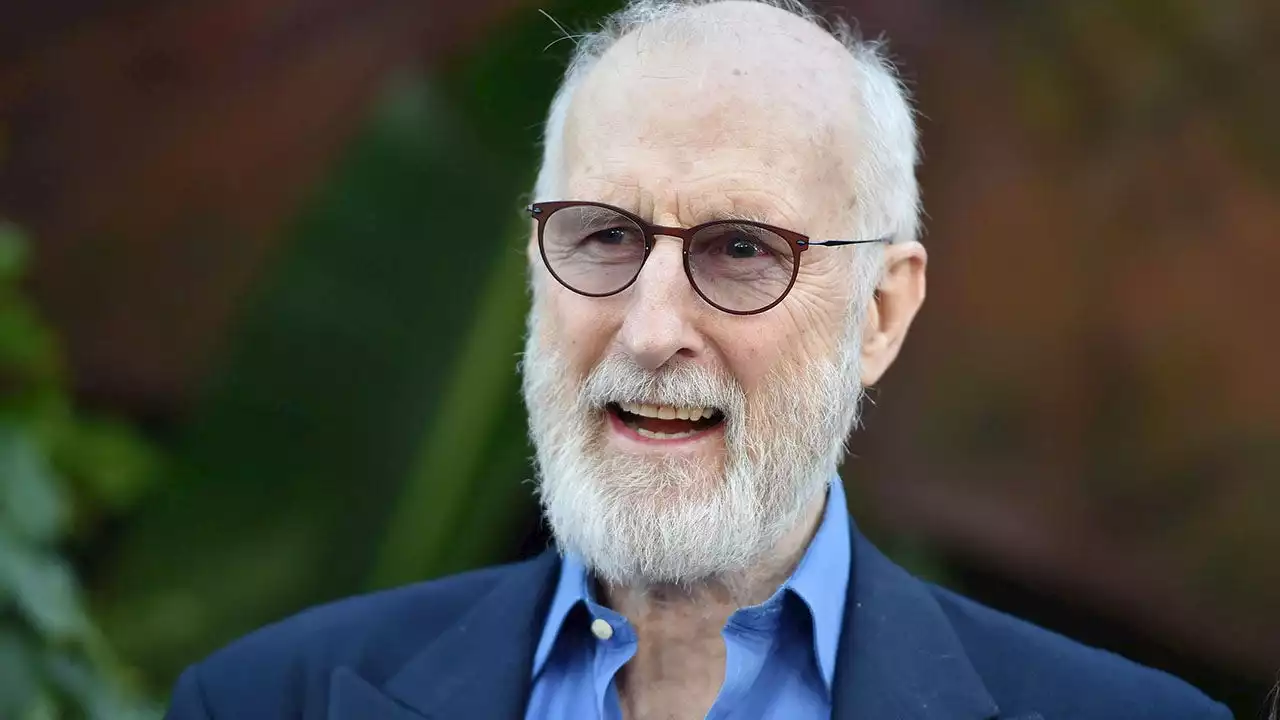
717, 195
624, 191
745, 204
736, 130
731, 179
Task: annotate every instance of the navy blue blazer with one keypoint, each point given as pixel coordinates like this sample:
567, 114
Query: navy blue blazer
461, 648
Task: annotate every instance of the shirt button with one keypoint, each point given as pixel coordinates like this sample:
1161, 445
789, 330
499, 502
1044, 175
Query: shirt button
601, 629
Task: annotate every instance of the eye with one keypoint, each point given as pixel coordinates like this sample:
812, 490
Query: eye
610, 236
741, 247
735, 244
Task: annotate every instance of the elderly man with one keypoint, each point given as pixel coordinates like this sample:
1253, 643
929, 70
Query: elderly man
723, 253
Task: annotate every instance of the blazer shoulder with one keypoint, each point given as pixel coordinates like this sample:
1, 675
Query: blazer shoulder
286, 665
1029, 669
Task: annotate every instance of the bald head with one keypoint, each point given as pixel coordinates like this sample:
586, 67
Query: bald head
702, 92
820, 111
737, 44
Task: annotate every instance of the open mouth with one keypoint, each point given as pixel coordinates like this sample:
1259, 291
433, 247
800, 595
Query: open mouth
666, 422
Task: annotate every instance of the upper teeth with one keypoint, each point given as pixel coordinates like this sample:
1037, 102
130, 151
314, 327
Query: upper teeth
667, 412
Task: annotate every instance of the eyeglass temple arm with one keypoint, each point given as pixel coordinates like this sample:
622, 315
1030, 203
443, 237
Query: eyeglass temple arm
846, 242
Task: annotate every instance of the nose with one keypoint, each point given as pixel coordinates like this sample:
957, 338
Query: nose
659, 324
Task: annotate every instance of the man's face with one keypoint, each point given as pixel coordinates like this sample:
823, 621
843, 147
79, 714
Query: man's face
681, 134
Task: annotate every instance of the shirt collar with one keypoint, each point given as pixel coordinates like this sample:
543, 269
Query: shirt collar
571, 589
820, 580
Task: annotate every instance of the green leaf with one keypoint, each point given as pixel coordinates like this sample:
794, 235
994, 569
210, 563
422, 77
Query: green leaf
92, 691
27, 350
42, 707
44, 589
31, 504
19, 684
109, 461
423, 528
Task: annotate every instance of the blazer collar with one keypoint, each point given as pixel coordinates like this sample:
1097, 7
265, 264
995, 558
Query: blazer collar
480, 668
899, 656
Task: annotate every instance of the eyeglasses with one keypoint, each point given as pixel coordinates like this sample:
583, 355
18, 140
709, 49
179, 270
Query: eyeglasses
738, 266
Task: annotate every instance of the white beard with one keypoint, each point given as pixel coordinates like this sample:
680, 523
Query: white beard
641, 521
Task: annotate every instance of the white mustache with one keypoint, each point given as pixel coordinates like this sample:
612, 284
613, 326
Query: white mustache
618, 379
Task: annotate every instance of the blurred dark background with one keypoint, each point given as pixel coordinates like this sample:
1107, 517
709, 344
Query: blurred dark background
261, 293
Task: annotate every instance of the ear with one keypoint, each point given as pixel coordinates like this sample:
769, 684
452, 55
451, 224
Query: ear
897, 299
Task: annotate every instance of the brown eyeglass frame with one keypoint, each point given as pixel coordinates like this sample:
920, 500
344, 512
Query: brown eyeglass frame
799, 243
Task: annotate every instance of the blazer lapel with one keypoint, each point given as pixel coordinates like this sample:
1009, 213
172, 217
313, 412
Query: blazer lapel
899, 656
479, 668
350, 697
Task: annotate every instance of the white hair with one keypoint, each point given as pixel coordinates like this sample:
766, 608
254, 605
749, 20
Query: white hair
886, 195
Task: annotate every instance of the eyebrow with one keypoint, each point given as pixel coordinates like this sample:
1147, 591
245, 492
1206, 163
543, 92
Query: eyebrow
747, 216
735, 206
737, 213
591, 214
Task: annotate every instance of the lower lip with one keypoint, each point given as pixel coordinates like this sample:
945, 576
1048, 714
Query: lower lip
622, 431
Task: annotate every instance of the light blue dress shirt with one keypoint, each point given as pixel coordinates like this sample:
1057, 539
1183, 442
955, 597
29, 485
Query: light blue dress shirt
780, 654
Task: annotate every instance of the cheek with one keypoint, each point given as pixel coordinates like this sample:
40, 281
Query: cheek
818, 312
804, 328
752, 352
579, 327
819, 326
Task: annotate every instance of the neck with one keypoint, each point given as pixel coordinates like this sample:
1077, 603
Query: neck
679, 663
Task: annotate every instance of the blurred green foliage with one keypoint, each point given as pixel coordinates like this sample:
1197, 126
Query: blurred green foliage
61, 473
364, 428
